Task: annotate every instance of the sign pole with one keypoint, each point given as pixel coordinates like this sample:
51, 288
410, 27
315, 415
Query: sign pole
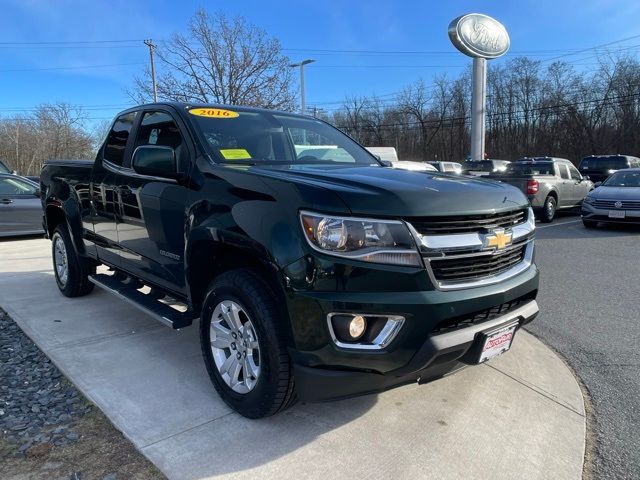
480, 37
478, 108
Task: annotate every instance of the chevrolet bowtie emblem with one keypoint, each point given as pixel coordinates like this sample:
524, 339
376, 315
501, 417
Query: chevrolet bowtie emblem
498, 239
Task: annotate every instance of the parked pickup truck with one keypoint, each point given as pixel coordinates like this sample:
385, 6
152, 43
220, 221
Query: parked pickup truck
550, 184
312, 278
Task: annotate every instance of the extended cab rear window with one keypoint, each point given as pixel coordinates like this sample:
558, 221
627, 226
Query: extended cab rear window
118, 137
255, 137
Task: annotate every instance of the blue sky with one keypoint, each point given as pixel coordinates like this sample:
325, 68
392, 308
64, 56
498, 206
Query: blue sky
540, 28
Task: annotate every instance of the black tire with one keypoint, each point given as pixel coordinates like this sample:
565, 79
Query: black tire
78, 270
548, 212
274, 389
589, 223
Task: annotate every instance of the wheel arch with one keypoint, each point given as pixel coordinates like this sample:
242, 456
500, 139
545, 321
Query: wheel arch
207, 258
67, 213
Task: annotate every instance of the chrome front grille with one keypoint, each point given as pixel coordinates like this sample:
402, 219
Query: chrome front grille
468, 223
611, 204
467, 258
478, 264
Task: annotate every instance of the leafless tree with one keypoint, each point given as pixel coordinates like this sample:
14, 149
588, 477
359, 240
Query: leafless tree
51, 131
221, 61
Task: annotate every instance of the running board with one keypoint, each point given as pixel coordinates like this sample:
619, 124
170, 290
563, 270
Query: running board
149, 305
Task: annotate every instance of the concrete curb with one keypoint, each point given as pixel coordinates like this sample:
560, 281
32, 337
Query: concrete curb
520, 416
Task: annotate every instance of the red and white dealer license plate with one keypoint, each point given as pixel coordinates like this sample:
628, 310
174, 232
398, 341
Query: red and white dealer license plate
497, 342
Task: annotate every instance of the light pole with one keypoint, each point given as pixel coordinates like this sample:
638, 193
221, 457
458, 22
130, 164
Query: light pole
301, 65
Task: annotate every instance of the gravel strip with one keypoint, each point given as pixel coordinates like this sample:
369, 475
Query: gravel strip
38, 406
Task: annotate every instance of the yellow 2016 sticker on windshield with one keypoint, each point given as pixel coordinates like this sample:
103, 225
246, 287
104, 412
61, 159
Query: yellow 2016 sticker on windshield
213, 113
234, 153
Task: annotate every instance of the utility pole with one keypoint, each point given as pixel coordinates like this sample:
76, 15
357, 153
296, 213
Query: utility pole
301, 65
149, 43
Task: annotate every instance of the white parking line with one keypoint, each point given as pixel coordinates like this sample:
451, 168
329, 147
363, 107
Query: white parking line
558, 224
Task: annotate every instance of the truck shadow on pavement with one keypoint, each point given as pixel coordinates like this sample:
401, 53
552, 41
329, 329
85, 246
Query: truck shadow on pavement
151, 383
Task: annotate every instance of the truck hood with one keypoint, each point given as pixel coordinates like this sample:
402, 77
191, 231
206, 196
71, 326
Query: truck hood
373, 190
616, 193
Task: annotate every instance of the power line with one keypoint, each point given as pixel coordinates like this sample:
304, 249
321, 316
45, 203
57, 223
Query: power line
70, 42
78, 67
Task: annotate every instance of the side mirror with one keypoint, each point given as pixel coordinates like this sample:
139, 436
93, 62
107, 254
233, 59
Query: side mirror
14, 172
386, 163
586, 178
597, 184
155, 161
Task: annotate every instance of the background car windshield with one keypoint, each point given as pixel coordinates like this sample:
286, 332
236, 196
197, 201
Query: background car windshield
478, 166
624, 179
604, 163
4, 168
529, 169
263, 137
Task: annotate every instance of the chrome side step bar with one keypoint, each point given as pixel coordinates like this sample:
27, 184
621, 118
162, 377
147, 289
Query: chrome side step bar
146, 303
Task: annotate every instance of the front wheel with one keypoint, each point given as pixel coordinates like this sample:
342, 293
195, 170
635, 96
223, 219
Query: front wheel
548, 212
589, 223
71, 271
243, 341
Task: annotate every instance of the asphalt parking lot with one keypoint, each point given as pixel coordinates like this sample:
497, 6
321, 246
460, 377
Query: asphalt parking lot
589, 313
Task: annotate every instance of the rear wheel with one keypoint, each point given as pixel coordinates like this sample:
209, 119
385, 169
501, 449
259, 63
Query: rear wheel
71, 271
548, 212
243, 342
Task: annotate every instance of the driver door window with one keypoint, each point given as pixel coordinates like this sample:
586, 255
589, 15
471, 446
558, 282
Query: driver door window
159, 128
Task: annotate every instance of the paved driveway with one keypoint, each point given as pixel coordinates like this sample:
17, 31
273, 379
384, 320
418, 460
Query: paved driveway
590, 299
520, 416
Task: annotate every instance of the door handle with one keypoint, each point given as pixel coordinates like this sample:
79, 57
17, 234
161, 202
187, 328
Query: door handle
6, 201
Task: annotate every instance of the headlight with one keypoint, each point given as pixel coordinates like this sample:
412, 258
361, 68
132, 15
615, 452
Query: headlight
367, 240
589, 200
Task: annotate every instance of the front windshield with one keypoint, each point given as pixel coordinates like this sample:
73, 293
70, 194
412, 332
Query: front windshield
257, 137
478, 166
624, 179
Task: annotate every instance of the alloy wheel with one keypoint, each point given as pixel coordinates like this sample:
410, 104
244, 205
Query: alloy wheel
60, 260
235, 347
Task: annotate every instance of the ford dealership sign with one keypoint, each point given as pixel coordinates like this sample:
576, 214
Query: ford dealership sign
479, 35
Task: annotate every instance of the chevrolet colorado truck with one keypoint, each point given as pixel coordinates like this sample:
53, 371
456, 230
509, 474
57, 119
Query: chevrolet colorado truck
312, 276
550, 183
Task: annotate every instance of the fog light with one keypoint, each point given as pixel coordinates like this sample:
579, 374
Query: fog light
357, 326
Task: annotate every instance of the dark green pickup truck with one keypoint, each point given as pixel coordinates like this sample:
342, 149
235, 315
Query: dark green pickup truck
313, 271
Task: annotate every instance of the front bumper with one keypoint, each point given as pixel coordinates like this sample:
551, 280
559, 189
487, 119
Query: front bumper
440, 355
589, 212
419, 352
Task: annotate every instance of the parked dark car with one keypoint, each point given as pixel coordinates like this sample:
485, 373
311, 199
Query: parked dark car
616, 200
550, 184
20, 206
481, 168
313, 278
599, 167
